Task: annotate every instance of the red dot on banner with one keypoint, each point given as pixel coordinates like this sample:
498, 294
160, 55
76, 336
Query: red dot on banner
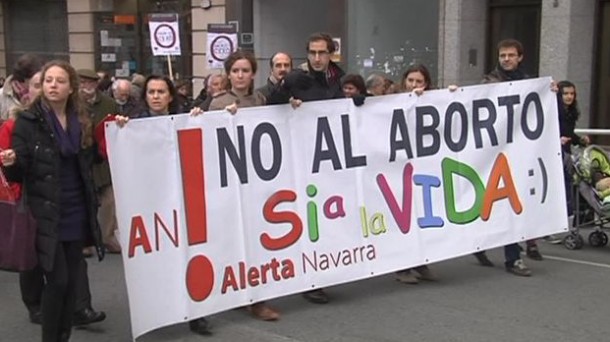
199, 278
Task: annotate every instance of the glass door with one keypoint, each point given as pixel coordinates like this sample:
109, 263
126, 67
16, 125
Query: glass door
181, 65
517, 19
118, 42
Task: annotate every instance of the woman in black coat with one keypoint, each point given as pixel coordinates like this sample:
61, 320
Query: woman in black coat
568, 115
53, 152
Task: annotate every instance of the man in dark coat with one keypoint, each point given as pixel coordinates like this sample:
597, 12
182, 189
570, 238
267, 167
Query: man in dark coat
281, 65
319, 78
510, 55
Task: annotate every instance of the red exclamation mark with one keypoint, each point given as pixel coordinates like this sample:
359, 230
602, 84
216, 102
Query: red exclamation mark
200, 271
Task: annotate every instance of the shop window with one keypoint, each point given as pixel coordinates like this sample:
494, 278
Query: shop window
27, 29
123, 43
389, 36
517, 19
384, 36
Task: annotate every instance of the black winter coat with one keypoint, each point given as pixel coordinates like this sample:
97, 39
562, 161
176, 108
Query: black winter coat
37, 167
567, 124
306, 84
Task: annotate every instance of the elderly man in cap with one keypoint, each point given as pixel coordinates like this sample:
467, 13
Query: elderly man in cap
99, 106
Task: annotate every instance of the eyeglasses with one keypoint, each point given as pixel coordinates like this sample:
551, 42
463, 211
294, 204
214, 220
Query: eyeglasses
323, 53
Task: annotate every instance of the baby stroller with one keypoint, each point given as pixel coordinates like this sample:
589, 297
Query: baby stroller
591, 207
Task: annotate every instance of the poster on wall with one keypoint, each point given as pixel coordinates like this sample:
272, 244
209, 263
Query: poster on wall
222, 42
336, 56
164, 34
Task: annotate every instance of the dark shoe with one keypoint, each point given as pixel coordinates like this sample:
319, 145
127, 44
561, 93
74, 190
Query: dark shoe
483, 259
88, 316
534, 254
316, 296
200, 326
518, 268
36, 317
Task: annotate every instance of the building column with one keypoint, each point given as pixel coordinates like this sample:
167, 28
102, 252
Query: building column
566, 47
200, 20
80, 34
462, 27
3, 69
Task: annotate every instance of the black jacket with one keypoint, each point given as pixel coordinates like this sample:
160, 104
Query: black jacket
38, 168
306, 84
567, 124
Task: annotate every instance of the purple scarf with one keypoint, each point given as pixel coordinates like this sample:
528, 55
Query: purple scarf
69, 139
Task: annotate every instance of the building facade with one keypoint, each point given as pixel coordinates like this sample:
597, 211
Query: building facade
456, 39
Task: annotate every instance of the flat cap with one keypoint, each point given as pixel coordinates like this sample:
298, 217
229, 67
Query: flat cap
87, 73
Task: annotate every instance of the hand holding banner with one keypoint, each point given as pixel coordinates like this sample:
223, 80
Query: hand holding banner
275, 201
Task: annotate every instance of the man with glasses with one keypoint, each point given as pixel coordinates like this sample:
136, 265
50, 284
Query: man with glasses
510, 56
319, 78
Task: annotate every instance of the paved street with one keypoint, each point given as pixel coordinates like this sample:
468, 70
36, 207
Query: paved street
565, 300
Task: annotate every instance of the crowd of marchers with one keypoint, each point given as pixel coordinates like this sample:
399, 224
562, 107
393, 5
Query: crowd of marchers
50, 152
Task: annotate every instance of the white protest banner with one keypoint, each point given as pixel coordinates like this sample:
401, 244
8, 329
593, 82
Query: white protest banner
220, 211
164, 34
221, 43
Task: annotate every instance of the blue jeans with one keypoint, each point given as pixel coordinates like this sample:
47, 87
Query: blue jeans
512, 253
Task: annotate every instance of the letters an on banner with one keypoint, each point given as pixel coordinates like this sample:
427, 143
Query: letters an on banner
232, 210
164, 34
221, 43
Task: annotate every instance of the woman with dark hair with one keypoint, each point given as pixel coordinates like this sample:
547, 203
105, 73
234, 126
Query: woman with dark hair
52, 156
352, 85
416, 78
568, 115
159, 97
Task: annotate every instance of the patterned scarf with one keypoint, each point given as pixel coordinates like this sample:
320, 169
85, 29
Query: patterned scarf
21, 91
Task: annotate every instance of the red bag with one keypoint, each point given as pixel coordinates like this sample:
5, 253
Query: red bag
99, 134
17, 231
